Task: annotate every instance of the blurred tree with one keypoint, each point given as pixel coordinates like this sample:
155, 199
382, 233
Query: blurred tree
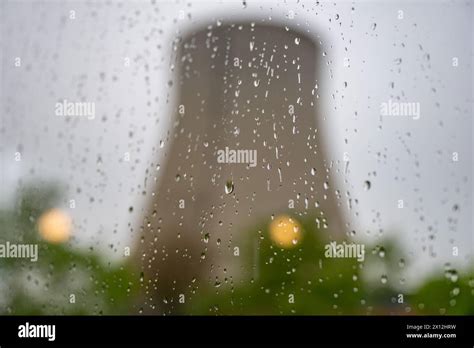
300, 280
63, 280
280, 275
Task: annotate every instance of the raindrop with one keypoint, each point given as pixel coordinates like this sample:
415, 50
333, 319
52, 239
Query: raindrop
451, 274
367, 185
229, 187
382, 252
401, 263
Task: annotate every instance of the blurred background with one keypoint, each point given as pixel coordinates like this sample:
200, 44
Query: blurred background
130, 209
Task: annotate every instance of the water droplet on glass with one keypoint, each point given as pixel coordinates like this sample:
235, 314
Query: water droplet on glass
229, 187
451, 274
382, 252
401, 263
367, 185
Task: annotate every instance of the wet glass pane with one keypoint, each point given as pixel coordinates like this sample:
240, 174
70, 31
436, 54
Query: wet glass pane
236, 157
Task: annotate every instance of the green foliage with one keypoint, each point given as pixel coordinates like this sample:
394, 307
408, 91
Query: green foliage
449, 294
324, 286
319, 285
45, 287
270, 277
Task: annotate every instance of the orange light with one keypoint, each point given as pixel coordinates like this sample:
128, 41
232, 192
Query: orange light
54, 226
285, 231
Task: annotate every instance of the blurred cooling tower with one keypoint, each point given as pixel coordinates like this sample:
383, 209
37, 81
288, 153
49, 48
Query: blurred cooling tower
244, 87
